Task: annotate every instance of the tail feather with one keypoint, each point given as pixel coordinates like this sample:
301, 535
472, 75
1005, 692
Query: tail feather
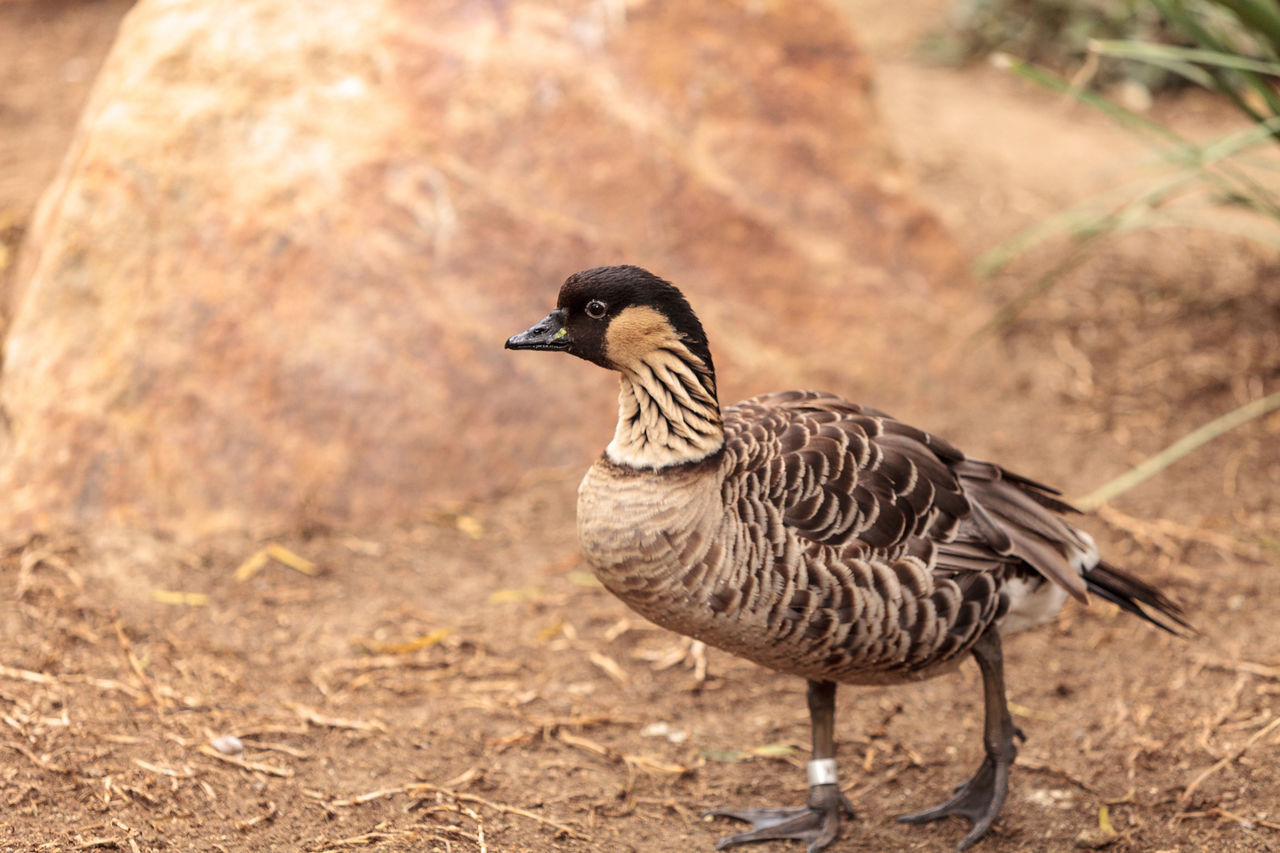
1137, 597
1014, 516
1047, 496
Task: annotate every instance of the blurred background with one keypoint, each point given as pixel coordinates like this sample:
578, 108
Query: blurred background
290, 554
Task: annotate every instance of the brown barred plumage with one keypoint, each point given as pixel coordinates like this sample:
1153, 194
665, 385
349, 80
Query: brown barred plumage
812, 535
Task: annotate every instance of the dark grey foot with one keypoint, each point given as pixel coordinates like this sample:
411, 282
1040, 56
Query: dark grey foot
816, 824
979, 800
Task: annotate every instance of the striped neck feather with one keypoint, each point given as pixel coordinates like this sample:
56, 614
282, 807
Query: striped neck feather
667, 411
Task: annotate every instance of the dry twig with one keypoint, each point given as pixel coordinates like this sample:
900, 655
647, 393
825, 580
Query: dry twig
252, 766
505, 809
38, 761
1249, 667
184, 773
315, 718
265, 817
280, 554
1224, 815
1160, 531
458, 796
1237, 753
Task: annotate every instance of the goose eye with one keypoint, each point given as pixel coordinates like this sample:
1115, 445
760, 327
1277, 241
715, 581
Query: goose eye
595, 309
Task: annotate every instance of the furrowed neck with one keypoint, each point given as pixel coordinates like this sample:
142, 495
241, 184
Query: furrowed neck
668, 413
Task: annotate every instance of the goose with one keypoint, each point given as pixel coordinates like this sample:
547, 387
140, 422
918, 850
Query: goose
814, 536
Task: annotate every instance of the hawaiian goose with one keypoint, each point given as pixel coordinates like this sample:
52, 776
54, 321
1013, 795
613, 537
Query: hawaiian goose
813, 536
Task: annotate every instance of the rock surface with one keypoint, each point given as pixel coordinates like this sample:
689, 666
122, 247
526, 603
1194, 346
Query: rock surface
271, 281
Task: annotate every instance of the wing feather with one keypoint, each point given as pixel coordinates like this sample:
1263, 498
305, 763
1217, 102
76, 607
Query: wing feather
848, 476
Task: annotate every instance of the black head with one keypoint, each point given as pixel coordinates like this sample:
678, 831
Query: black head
616, 317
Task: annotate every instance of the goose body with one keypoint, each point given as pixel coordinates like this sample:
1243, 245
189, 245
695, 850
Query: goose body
813, 544
812, 535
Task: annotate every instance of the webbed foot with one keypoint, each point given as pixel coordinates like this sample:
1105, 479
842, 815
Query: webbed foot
981, 797
979, 800
816, 824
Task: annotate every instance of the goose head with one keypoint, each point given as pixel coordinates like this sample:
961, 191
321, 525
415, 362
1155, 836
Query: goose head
627, 319
619, 317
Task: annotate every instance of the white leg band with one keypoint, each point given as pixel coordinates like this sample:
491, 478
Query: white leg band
822, 771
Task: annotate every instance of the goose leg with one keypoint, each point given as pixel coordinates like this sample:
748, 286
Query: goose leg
979, 800
819, 821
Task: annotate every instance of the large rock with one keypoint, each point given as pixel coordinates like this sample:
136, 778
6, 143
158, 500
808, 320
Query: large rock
273, 277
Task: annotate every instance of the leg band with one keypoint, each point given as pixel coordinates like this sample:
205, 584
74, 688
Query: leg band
822, 771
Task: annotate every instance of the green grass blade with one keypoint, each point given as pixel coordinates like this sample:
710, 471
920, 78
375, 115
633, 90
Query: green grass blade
1176, 13
1241, 187
1009, 311
1194, 73
1263, 236
1128, 119
1261, 17
1211, 171
1177, 450
1233, 144
1108, 213
1163, 54
1124, 205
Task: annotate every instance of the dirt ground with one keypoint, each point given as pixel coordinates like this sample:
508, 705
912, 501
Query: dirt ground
463, 684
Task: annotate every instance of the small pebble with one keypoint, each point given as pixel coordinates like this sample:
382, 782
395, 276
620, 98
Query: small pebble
228, 745
655, 730
664, 730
